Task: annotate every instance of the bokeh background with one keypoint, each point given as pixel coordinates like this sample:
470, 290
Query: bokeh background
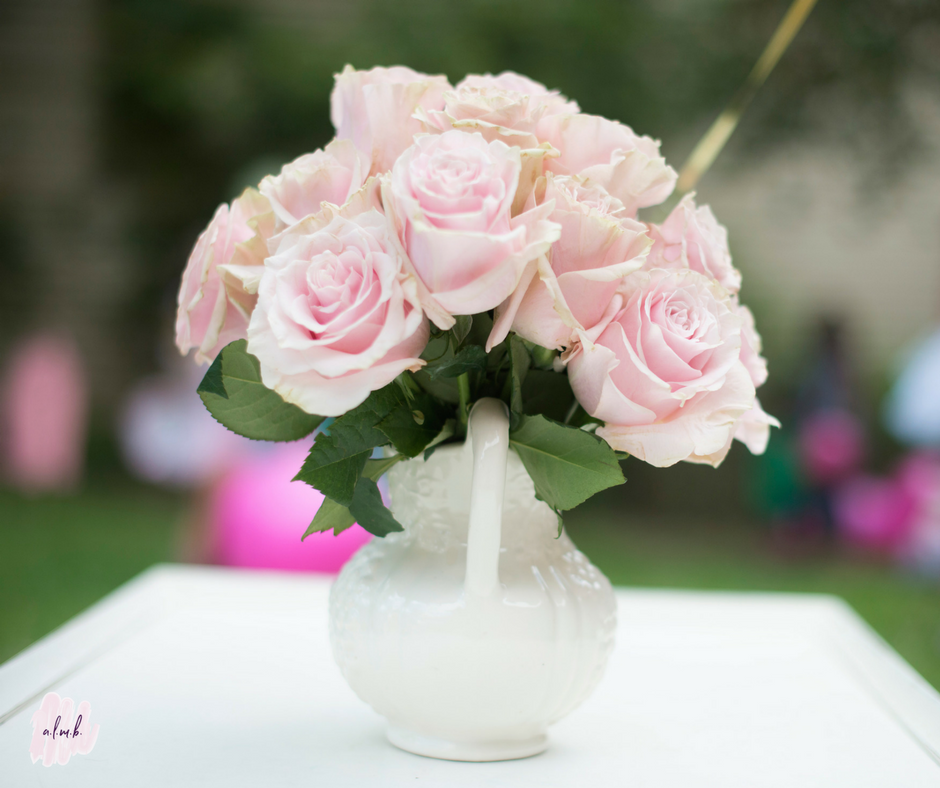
123, 123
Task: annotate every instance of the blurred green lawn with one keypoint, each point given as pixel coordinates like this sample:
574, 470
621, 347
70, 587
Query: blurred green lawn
58, 555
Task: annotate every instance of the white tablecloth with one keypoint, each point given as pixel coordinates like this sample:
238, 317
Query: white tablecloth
209, 677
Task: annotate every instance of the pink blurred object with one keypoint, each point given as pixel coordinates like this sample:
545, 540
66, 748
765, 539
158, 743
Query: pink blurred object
874, 514
832, 444
258, 516
45, 410
919, 474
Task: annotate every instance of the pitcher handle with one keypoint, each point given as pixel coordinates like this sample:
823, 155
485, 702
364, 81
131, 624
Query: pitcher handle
488, 433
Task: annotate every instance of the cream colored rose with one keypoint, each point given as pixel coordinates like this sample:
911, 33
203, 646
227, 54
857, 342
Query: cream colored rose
608, 154
330, 175
374, 109
506, 107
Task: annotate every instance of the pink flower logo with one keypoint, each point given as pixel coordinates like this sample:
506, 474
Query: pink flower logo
59, 732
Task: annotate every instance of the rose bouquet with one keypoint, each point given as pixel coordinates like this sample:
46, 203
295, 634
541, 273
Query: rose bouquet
455, 243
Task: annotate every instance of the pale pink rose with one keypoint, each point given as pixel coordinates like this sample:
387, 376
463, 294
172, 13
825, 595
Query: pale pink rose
507, 107
691, 237
242, 275
331, 175
449, 200
753, 428
608, 154
374, 109
511, 82
665, 374
207, 318
336, 317
575, 285
751, 346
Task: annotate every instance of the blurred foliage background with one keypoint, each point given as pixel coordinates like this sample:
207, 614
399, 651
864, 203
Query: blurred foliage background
125, 122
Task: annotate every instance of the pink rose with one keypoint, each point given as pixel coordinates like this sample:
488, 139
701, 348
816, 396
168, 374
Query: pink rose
242, 276
751, 346
578, 279
665, 374
506, 107
608, 154
753, 428
336, 317
208, 317
374, 109
330, 175
449, 199
691, 237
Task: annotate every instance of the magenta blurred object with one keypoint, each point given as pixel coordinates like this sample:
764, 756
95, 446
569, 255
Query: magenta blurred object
258, 516
874, 514
920, 476
45, 410
832, 445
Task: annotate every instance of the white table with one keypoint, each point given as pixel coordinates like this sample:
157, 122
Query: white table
210, 677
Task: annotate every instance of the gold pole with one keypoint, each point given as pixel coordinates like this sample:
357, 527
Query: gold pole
715, 138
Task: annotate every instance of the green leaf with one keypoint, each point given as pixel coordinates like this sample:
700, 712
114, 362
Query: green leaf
443, 388
548, 393
233, 393
357, 430
369, 510
468, 359
412, 427
212, 382
561, 522
330, 516
446, 433
336, 459
331, 470
437, 347
462, 327
406, 385
335, 516
519, 368
480, 329
375, 469
566, 464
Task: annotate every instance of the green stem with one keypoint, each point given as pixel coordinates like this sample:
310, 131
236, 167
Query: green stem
571, 411
463, 386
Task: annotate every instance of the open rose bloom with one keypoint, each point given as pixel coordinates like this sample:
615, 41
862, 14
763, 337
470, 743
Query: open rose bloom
450, 237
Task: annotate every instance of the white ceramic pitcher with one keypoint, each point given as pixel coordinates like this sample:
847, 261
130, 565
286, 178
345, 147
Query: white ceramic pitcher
478, 626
